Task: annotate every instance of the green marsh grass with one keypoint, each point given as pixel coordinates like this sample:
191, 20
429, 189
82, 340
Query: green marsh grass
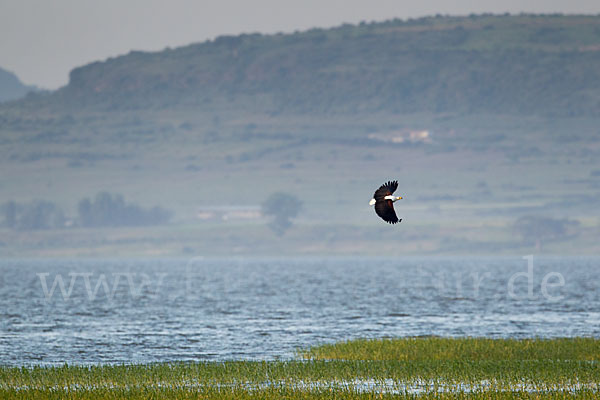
268, 394
427, 367
459, 349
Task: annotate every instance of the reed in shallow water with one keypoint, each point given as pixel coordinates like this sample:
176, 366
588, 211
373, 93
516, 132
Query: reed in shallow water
459, 349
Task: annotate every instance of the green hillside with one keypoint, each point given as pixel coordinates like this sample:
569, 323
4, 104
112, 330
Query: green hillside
548, 65
490, 123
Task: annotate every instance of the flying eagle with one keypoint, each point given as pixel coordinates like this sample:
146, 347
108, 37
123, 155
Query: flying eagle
384, 202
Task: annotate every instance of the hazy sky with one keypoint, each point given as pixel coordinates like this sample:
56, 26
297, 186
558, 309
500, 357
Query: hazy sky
42, 40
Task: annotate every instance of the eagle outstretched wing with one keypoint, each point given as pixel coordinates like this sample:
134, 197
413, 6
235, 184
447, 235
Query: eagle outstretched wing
385, 190
383, 207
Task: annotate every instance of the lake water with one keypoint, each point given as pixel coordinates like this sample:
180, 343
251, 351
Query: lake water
134, 311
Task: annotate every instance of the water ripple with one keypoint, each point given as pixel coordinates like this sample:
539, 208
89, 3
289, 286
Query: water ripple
122, 311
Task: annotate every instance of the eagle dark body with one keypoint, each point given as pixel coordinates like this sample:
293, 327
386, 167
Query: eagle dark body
384, 207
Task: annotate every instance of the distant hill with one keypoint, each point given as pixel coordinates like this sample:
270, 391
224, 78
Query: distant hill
11, 87
489, 122
526, 64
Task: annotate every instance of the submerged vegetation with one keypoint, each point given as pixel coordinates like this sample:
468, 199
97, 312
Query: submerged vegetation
427, 367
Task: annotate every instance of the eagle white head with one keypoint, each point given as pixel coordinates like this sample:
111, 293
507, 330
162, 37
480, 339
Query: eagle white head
392, 198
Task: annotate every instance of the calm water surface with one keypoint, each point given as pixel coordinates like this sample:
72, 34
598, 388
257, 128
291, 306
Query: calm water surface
124, 311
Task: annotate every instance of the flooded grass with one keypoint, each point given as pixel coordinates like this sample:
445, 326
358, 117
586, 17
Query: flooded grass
421, 367
270, 393
458, 349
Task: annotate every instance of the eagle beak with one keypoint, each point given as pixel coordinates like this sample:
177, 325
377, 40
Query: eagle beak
400, 198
